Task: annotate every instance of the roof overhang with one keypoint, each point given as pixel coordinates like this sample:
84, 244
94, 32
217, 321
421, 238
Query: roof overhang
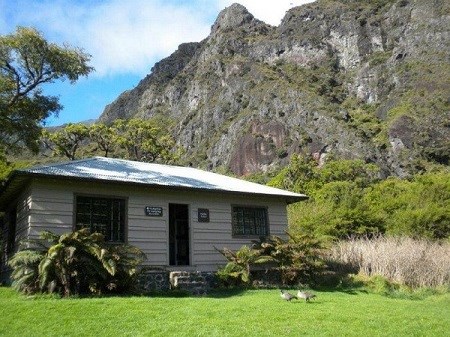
19, 179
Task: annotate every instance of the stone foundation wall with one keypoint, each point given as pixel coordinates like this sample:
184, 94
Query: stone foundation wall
154, 280
196, 283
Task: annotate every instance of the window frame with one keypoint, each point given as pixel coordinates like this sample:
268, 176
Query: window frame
110, 198
252, 235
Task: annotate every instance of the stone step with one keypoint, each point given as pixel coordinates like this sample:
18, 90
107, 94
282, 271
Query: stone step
197, 283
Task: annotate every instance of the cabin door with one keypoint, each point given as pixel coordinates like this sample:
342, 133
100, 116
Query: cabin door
179, 234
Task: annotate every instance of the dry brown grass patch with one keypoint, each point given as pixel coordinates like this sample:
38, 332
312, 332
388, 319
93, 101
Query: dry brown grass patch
416, 263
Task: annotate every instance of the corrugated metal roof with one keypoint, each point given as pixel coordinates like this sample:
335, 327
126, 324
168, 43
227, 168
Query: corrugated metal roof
119, 170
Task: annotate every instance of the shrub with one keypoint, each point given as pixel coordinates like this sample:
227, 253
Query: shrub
346, 198
295, 260
415, 263
74, 263
237, 270
298, 259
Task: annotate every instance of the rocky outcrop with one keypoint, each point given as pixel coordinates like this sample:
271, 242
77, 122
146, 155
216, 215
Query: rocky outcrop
352, 79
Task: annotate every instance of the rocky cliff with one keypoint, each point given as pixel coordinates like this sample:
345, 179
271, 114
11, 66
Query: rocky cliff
347, 79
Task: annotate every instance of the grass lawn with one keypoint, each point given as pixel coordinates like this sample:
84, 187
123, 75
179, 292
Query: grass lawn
246, 313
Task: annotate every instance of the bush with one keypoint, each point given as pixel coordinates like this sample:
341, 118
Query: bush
237, 270
347, 199
74, 263
296, 260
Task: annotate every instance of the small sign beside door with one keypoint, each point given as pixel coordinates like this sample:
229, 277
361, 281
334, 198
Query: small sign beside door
203, 215
153, 211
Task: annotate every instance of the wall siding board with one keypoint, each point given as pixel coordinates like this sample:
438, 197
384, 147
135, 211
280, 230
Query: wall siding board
52, 205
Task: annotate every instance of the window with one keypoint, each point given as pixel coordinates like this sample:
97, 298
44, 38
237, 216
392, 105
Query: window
102, 215
250, 221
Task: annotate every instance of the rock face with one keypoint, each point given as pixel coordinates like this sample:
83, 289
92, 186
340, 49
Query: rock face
346, 78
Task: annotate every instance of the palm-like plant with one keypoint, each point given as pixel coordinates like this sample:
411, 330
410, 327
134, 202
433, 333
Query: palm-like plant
25, 265
298, 257
74, 263
240, 263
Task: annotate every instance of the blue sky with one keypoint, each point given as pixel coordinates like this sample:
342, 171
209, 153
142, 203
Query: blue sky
125, 39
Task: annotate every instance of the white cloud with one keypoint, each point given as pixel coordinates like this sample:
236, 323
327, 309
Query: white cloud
269, 11
121, 36
129, 36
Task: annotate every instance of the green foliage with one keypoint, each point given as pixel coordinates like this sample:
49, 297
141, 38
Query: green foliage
347, 198
25, 265
298, 176
74, 263
67, 141
419, 208
5, 166
379, 57
27, 61
362, 117
303, 175
145, 140
136, 139
104, 137
298, 259
237, 270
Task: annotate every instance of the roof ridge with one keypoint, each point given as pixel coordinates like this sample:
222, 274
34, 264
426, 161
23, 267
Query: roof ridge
144, 162
124, 170
35, 167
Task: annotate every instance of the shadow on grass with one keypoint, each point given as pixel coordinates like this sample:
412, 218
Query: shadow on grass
225, 293
212, 293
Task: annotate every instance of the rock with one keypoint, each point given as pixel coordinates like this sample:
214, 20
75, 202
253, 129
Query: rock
349, 79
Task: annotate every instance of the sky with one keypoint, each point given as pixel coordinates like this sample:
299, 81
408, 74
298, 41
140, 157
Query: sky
124, 38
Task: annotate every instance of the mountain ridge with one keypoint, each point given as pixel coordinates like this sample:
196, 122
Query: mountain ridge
335, 79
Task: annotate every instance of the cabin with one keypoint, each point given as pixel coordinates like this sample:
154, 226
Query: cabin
176, 215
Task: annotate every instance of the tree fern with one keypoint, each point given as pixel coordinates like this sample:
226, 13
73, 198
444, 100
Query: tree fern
25, 270
74, 263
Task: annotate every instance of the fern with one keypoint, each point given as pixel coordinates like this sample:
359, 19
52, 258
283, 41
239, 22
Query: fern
74, 263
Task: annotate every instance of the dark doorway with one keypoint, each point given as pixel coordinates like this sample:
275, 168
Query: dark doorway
179, 234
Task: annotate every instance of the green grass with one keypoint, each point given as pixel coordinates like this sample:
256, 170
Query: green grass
248, 313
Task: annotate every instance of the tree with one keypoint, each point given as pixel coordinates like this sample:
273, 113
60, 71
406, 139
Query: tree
66, 141
104, 136
145, 140
27, 61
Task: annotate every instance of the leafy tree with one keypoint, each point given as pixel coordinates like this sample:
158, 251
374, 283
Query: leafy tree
141, 140
299, 175
5, 166
145, 140
66, 141
347, 198
104, 136
74, 263
27, 61
357, 171
418, 208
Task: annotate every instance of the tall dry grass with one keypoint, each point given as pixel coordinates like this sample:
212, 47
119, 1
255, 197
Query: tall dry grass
416, 263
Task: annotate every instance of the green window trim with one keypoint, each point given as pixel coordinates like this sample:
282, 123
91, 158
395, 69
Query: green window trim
102, 215
249, 221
